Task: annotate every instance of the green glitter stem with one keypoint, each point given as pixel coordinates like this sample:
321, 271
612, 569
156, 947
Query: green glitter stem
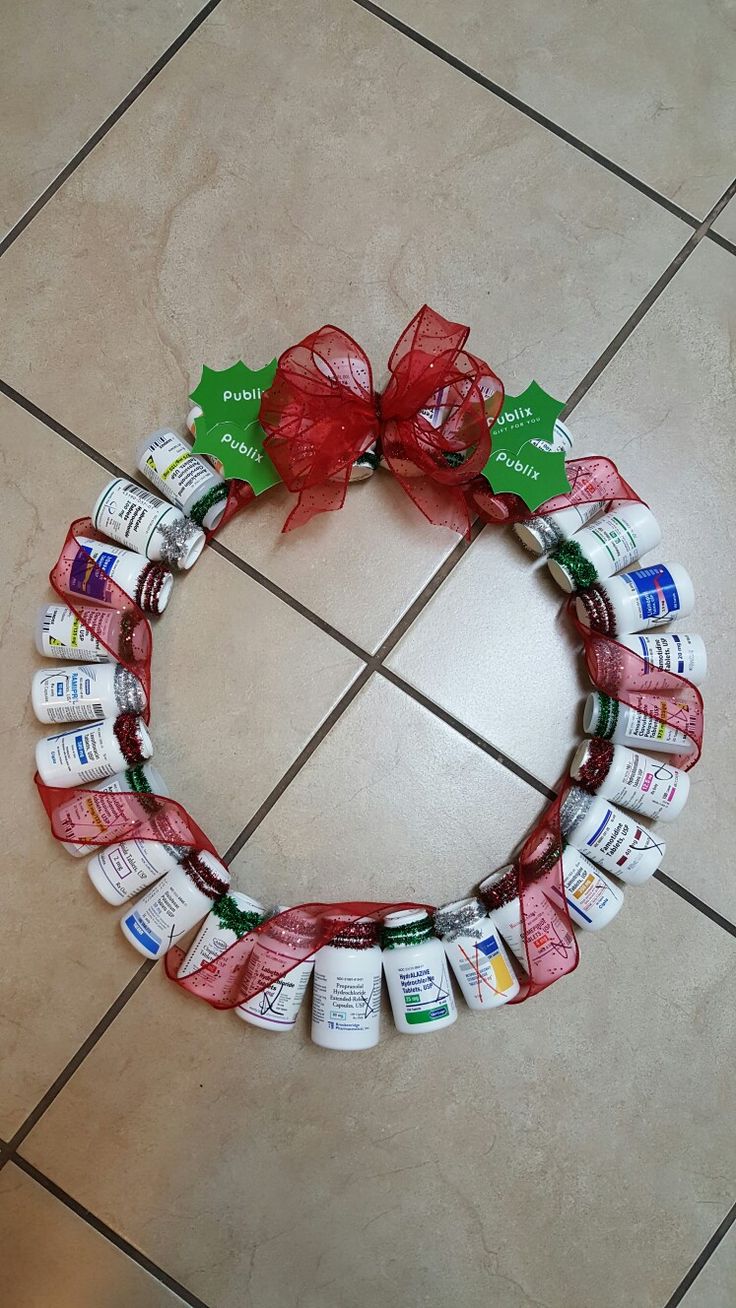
214, 495
570, 556
412, 933
232, 918
608, 716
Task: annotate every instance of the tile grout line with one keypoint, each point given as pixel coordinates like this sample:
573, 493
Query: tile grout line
100, 132
536, 116
646, 303
108, 1233
703, 1257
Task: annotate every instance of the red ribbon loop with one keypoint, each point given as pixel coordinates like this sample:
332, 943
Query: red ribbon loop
433, 419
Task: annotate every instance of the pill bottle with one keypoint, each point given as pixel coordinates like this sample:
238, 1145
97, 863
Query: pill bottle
477, 954
120, 871
149, 584
61, 635
417, 978
592, 900
633, 780
615, 842
681, 653
141, 521
547, 930
544, 532
637, 601
346, 995
611, 544
229, 918
78, 694
275, 1005
89, 753
627, 724
93, 809
175, 904
185, 478
561, 439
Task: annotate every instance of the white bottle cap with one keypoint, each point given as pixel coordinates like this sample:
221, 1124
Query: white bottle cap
562, 575
404, 917
539, 534
194, 413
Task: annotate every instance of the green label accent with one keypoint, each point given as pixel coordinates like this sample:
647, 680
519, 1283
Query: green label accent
229, 429
517, 464
427, 1015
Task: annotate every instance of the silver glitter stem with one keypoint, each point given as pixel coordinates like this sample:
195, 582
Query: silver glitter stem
460, 918
575, 806
130, 696
177, 538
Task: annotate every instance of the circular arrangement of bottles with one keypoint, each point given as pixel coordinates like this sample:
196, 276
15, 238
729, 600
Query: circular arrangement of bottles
478, 946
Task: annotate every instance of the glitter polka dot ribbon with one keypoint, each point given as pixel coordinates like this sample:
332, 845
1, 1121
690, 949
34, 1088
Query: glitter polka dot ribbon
591, 479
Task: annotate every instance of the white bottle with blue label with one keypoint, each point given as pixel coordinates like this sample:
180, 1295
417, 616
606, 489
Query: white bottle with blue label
476, 954
175, 904
680, 652
638, 600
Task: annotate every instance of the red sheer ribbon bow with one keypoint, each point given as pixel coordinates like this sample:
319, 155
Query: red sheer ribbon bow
433, 419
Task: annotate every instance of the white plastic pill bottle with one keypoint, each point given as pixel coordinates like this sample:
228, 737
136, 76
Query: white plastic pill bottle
175, 904
346, 994
89, 753
638, 600
84, 692
617, 843
591, 899
61, 635
121, 871
228, 920
627, 724
545, 531
548, 931
417, 974
278, 998
477, 954
94, 809
148, 583
679, 652
611, 544
636, 782
185, 478
133, 516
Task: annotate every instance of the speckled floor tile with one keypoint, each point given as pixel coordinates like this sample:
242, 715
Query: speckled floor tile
647, 85
192, 235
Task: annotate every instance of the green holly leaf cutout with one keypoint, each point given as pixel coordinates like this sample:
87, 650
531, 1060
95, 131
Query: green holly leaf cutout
229, 429
517, 463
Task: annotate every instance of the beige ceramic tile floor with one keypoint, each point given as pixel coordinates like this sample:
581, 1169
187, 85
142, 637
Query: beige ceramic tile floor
281, 165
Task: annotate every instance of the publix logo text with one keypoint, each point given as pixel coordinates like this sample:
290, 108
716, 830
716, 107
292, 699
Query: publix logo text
514, 415
524, 469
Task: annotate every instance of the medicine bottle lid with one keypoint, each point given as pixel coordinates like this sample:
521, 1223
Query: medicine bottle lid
460, 918
182, 542
501, 887
539, 534
600, 715
133, 738
353, 935
594, 610
575, 806
570, 568
153, 590
591, 763
406, 927
210, 507
209, 875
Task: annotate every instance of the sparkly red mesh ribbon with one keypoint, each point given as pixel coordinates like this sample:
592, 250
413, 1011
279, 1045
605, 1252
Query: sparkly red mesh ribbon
665, 696
228, 980
591, 479
542, 895
322, 413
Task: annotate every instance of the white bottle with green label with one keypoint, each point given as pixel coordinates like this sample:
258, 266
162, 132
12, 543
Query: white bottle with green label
417, 973
638, 600
477, 954
545, 531
609, 546
128, 513
185, 478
